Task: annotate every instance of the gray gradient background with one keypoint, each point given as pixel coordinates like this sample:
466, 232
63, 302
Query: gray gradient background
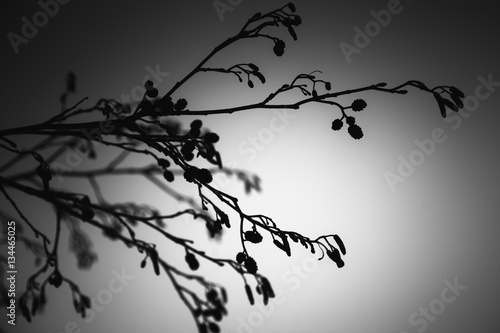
441, 223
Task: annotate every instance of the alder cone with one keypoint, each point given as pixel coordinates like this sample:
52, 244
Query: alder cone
251, 265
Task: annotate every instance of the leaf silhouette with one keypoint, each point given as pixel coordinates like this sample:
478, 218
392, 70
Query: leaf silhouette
292, 33
284, 245
249, 293
441, 104
340, 243
450, 105
456, 99
458, 92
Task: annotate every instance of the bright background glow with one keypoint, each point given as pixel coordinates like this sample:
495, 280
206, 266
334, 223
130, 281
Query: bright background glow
441, 223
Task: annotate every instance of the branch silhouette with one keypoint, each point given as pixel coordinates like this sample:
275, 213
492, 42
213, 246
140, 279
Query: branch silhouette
150, 130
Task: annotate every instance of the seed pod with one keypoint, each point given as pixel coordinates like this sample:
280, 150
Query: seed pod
56, 279
248, 290
152, 93
439, 100
154, 260
457, 101
212, 295
240, 257
86, 301
197, 123
251, 265
204, 175
189, 175
355, 131
254, 67
450, 105
34, 305
260, 76
224, 219
358, 105
267, 285
335, 257
163, 163
192, 261
213, 327
340, 243
456, 91
87, 214
168, 175
180, 104
253, 236
223, 293
211, 137
292, 33
148, 84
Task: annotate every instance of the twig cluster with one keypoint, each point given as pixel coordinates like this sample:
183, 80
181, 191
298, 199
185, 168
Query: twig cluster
150, 130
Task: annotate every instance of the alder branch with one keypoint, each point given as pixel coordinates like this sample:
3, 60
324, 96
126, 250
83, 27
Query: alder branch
152, 133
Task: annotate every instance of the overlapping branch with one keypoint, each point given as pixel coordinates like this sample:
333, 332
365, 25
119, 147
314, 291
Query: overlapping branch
172, 154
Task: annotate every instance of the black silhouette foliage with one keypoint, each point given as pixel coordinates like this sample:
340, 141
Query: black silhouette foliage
151, 130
